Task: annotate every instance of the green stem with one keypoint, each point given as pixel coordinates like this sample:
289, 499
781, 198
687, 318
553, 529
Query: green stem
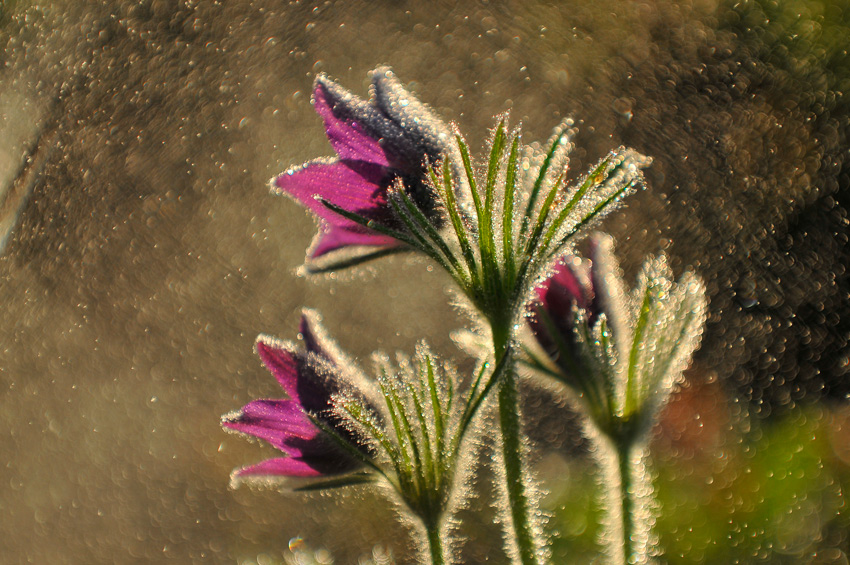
435, 541
515, 477
624, 453
629, 503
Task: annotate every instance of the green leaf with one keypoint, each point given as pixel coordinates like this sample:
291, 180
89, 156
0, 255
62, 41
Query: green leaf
366, 222
456, 271
538, 183
435, 407
327, 266
530, 249
493, 166
447, 193
640, 327
593, 179
481, 214
508, 213
424, 244
338, 482
602, 208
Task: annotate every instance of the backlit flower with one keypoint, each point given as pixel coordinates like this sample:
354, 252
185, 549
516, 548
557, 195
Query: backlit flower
622, 351
312, 377
552, 318
378, 142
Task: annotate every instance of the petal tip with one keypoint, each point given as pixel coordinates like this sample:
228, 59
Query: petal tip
271, 348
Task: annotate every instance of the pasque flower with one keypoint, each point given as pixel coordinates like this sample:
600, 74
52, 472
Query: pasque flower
622, 351
552, 315
385, 140
339, 428
312, 377
402, 180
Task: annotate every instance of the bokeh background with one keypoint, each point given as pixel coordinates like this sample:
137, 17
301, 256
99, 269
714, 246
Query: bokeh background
142, 253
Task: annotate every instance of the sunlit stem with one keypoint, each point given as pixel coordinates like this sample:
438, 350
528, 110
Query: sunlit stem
435, 541
628, 494
515, 477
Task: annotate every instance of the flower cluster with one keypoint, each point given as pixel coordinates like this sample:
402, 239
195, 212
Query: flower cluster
403, 180
339, 428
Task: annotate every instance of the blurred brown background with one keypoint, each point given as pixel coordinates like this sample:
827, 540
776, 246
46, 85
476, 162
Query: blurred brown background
149, 252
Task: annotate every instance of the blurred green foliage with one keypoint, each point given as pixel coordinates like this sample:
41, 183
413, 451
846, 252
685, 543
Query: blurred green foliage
772, 494
767, 494
805, 41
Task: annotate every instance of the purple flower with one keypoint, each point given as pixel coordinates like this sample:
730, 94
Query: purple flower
378, 143
312, 378
552, 317
576, 285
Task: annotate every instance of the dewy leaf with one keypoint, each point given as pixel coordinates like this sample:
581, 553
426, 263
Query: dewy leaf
542, 218
613, 179
423, 243
642, 324
592, 179
344, 261
446, 186
508, 211
486, 251
598, 378
345, 481
367, 223
558, 140
679, 331
493, 166
422, 223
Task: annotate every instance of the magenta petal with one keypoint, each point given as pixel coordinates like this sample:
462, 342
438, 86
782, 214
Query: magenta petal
346, 135
315, 339
356, 186
281, 361
562, 289
352, 185
568, 286
337, 238
309, 383
282, 423
280, 466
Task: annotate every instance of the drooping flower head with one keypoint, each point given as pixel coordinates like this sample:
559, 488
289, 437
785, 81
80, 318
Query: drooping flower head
552, 316
312, 377
385, 140
622, 352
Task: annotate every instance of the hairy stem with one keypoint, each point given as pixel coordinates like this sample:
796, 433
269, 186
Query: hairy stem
435, 541
521, 510
629, 499
626, 494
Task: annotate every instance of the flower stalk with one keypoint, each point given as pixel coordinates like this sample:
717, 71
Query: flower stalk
435, 542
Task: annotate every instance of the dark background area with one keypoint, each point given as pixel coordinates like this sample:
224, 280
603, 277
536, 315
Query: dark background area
149, 253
